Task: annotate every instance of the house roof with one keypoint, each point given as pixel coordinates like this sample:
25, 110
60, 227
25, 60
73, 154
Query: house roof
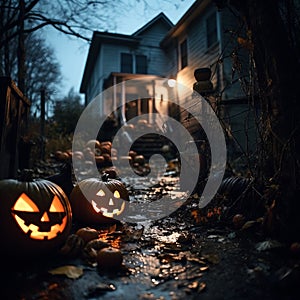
98, 38
160, 17
107, 37
192, 13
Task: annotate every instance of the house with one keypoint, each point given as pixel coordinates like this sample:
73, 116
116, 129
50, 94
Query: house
114, 58
204, 37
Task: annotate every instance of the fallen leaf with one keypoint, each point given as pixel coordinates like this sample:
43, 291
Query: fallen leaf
212, 236
249, 224
70, 271
202, 286
112, 228
196, 260
100, 288
231, 235
245, 43
212, 258
267, 245
193, 285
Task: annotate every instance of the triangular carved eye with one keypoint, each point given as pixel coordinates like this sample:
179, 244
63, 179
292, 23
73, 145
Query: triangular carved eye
101, 193
24, 203
117, 194
56, 205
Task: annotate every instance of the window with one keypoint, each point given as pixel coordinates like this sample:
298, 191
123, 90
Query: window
133, 64
183, 54
211, 30
141, 64
126, 63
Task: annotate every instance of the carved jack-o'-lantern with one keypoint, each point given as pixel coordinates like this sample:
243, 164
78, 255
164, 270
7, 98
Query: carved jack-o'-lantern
98, 201
34, 215
37, 225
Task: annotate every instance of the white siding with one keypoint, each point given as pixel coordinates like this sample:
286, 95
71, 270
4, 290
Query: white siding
112, 58
199, 56
93, 84
150, 46
238, 117
230, 32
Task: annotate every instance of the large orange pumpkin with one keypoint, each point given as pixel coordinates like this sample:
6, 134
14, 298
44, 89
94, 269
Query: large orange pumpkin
35, 216
107, 197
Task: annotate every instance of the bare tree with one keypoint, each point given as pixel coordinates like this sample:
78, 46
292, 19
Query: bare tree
79, 18
74, 17
66, 113
20, 18
42, 67
273, 33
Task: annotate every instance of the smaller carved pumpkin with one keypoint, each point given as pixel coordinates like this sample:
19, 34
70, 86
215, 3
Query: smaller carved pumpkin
96, 201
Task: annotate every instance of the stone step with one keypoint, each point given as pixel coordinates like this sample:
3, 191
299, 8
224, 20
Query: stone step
149, 144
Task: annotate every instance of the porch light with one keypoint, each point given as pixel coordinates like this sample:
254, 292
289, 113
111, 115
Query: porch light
171, 82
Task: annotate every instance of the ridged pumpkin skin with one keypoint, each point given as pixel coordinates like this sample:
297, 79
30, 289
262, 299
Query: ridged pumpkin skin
35, 217
105, 207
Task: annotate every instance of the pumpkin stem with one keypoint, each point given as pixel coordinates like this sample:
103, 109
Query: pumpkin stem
26, 175
105, 177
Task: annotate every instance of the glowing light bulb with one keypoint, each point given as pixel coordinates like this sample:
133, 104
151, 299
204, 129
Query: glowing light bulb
171, 83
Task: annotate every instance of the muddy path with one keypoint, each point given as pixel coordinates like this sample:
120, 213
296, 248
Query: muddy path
181, 256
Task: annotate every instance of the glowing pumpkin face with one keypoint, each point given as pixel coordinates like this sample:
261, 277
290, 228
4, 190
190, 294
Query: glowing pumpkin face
38, 224
98, 201
35, 216
110, 209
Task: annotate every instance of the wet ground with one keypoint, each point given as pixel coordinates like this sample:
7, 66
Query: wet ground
187, 255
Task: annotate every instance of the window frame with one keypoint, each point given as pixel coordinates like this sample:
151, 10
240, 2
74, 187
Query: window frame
208, 31
137, 65
123, 65
183, 55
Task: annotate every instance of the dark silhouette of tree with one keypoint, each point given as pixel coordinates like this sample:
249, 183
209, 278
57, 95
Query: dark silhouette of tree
76, 18
42, 68
66, 113
20, 18
273, 40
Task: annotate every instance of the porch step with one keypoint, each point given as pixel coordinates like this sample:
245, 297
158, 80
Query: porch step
149, 144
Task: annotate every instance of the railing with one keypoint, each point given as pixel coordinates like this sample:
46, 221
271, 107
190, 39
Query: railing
14, 108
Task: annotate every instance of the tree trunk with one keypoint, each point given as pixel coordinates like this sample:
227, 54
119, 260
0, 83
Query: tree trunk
277, 65
21, 48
